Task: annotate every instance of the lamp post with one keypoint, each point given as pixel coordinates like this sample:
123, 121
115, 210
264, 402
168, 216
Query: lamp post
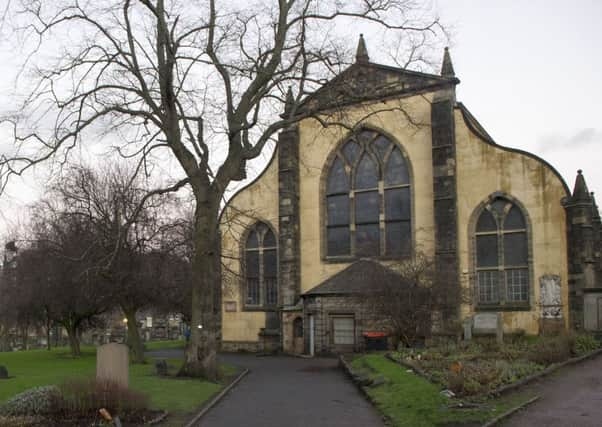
125, 325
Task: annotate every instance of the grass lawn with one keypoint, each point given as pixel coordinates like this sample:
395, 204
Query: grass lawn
407, 399
164, 345
41, 367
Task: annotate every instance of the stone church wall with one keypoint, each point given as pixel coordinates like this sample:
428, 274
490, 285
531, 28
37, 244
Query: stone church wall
318, 143
484, 169
257, 201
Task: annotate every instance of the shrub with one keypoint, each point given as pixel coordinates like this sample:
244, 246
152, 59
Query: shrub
488, 345
455, 382
548, 350
516, 370
22, 421
35, 401
585, 343
83, 398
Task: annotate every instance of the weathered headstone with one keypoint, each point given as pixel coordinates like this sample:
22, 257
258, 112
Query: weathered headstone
488, 324
3, 373
467, 324
161, 367
550, 296
112, 364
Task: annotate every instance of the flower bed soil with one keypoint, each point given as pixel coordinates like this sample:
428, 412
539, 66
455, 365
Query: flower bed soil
483, 368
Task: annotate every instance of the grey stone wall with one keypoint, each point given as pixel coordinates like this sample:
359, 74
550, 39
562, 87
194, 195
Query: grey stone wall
323, 308
584, 260
445, 201
288, 216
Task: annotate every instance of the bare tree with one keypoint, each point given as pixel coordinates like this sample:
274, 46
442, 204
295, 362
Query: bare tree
412, 301
192, 81
57, 275
406, 300
134, 238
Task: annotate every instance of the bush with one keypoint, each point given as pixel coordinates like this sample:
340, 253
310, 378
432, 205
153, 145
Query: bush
488, 345
35, 401
455, 382
83, 398
585, 343
549, 350
22, 421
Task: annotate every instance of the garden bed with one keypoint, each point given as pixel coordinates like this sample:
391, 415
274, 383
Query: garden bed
407, 399
482, 367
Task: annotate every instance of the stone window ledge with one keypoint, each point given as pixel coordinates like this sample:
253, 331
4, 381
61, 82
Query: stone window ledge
504, 307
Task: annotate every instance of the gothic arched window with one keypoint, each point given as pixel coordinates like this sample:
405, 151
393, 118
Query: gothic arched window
368, 199
261, 268
502, 255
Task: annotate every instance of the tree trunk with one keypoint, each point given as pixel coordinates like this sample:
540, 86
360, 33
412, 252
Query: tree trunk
73, 340
48, 337
25, 336
133, 336
48, 329
201, 352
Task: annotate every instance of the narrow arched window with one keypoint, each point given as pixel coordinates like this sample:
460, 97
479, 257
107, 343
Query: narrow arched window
368, 200
502, 255
261, 267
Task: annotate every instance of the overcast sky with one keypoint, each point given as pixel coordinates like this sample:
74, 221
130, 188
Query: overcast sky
530, 71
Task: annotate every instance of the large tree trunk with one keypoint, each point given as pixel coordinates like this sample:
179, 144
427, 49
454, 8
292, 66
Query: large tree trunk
133, 338
73, 340
201, 352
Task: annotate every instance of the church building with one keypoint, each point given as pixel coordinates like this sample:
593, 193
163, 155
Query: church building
402, 167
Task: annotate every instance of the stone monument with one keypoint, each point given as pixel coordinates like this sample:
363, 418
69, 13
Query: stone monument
488, 324
112, 364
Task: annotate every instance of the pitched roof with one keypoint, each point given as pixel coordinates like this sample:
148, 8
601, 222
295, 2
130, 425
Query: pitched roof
366, 81
361, 277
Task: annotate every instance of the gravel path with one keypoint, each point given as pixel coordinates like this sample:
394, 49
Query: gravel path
570, 397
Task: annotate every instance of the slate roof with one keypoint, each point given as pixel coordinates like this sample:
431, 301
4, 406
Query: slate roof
361, 277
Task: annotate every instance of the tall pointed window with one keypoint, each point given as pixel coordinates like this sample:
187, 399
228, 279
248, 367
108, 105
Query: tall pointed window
502, 255
261, 268
368, 199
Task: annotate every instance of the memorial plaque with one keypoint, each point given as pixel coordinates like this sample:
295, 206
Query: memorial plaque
485, 324
550, 296
112, 364
489, 324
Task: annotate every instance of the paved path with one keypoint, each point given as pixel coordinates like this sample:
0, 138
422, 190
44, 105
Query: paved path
284, 391
571, 397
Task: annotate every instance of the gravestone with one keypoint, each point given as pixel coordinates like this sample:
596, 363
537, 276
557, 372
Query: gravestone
550, 300
488, 324
161, 367
467, 324
112, 364
3, 373
550, 296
